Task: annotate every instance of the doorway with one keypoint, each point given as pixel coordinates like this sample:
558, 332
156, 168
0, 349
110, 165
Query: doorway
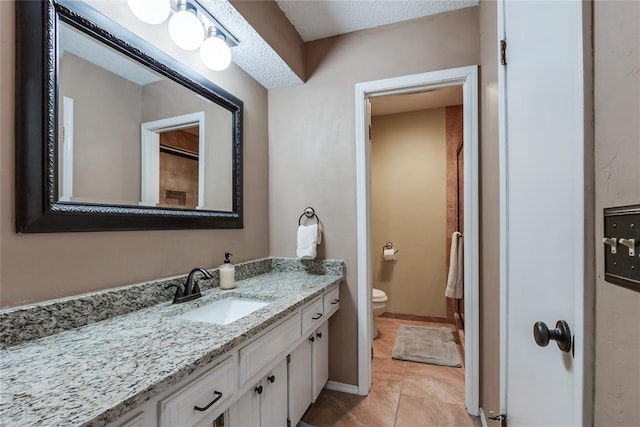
174, 146
467, 78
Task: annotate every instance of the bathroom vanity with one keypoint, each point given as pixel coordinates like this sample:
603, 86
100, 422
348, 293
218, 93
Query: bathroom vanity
154, 367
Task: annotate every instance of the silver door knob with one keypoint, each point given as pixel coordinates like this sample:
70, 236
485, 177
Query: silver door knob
561, 334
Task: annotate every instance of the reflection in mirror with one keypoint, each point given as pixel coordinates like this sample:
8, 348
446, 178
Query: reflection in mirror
93, 101
130, 136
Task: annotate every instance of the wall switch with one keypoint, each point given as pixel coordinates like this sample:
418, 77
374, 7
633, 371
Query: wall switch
621, 240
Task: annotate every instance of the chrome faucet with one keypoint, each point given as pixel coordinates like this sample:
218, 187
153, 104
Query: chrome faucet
191, 288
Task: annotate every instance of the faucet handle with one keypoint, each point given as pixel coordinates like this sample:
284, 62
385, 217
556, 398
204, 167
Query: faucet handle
196, 287
179, 293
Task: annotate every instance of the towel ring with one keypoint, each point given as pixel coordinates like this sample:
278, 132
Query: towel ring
309, 213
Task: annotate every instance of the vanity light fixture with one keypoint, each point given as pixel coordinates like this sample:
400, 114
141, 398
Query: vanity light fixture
150, 11
214, 52
185, 28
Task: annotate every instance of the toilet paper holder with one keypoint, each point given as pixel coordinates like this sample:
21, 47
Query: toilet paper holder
389, 245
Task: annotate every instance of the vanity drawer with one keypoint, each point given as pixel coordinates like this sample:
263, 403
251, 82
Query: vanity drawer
211, 391
265, 349
312, 315
331, 301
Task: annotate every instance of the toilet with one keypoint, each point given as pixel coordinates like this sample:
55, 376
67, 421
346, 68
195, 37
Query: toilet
378, 306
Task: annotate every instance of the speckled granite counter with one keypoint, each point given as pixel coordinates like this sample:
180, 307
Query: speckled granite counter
93, 374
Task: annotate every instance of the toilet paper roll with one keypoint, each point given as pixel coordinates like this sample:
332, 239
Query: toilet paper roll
389, 254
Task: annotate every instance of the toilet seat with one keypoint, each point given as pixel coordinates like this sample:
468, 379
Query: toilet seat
379, 296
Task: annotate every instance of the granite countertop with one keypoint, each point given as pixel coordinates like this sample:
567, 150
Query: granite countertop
94, 374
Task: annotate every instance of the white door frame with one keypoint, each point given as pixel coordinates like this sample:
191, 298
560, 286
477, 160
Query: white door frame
150, 155
67, 149
468, 78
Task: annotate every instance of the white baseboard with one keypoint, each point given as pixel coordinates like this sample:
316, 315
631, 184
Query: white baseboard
483, 418
344, 388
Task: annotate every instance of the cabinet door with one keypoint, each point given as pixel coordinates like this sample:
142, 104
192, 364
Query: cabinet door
249, 408
320, 360
274, 398
300, 381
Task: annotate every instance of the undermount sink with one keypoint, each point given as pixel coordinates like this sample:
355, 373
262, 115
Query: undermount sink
224, 311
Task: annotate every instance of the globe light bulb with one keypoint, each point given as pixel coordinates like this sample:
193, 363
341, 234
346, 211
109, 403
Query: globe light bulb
185, 28
150, 11
215, 53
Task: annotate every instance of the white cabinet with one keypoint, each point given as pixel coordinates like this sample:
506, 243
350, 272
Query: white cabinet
242, 383
204, 398
265, 404
331, 302
300, 387
312, 316
264, 350
274, 397
308, 371
320, 360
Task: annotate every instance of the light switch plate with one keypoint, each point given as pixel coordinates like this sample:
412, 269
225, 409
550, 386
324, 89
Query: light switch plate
621, 268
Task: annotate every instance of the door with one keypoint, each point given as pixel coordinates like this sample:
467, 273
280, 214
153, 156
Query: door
543, 199
320, 360
248, 408
300, 381
274, 399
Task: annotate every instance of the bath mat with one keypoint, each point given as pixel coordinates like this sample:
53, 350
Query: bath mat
426, 344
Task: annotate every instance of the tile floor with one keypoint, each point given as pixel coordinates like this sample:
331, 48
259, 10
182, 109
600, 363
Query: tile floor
403, 394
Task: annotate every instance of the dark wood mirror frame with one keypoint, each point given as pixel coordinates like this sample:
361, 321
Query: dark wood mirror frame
38, 209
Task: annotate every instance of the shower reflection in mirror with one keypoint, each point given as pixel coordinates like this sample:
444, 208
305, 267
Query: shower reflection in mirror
133, 137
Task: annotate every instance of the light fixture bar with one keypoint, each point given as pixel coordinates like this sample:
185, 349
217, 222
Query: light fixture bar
230, 38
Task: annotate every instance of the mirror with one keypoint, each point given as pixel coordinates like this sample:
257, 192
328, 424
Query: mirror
119, 136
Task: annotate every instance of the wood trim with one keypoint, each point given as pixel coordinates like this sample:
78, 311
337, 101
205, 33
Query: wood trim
418, 318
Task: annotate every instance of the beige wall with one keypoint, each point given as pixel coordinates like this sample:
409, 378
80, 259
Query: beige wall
408, 208
37, 267
106, 132
312, 148
617, 159
489, 209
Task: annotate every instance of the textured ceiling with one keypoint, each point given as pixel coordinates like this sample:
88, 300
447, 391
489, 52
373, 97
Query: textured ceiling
314, 19
252, 54
317, 19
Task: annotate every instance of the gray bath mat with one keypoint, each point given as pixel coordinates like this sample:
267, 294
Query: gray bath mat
426, 344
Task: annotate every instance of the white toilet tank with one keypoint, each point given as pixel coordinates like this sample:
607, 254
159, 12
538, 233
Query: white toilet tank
379, 301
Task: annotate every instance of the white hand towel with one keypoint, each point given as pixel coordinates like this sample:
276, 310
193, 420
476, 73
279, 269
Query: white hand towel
308, 239
455, 281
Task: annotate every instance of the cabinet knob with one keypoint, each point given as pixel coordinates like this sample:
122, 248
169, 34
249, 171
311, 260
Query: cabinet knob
258, 389
312, 338
319, 335
271, 378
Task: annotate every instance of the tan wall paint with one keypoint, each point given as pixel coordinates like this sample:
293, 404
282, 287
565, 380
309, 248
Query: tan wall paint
38, 267
312, 148
408, 208
617, 155
106, 132
273, 26
489, 209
